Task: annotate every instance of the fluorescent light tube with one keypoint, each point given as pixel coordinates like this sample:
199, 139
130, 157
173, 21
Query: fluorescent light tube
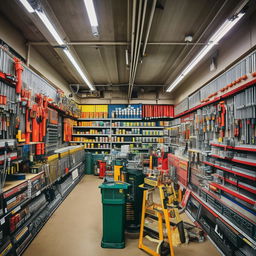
126, 58
91, 12
227, 25
79, 70
27, 5
58, 39
50, 27
216, 37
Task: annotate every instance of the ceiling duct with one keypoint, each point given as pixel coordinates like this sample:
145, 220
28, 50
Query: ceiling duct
89, 94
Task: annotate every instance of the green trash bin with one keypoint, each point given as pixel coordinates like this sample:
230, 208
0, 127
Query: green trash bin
113, 203
88, 163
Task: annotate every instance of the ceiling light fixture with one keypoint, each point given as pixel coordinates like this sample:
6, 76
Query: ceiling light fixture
78, 68
126, 57
50, 27
58, 39
92, 16
216, 37
27, 5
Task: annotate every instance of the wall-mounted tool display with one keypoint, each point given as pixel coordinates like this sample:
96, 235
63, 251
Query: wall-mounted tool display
218, 140
235, 79
31, 129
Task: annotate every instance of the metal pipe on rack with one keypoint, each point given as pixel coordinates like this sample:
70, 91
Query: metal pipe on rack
149, 27
132, 36
135, 48
139, 44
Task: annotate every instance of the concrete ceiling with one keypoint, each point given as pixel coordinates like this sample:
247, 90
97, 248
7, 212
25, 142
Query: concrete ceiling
173, 19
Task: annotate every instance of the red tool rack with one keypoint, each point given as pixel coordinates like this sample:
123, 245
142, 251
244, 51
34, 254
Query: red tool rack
181, 167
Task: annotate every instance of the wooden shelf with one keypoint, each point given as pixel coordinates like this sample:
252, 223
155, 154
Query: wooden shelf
12, 184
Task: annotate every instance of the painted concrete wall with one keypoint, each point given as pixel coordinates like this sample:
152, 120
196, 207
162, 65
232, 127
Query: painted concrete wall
118, 97
16, 40
240, 40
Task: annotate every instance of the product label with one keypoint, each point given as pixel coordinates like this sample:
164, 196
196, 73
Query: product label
16, 209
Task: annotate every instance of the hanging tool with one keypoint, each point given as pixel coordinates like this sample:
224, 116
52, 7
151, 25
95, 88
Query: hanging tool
18, 70
221, 122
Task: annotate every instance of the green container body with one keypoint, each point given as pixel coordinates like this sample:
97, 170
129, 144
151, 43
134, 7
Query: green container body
90, 160
135, 178
88, 163
113, 202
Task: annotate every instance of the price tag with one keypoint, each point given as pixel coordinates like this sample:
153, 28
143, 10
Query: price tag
75, 174
2, 221
29, 189
38, 193
16, 209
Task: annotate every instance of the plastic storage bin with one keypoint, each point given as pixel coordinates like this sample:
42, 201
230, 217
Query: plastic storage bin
113, 203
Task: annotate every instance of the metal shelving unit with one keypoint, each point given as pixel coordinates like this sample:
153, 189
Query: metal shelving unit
113, 129
91, 127
93, 135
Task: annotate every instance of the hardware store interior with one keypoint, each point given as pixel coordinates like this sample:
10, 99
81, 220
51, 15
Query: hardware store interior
127, 127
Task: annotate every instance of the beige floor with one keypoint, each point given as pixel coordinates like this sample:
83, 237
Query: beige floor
75, 229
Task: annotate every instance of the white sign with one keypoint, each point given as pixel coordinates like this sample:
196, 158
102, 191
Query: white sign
75, 174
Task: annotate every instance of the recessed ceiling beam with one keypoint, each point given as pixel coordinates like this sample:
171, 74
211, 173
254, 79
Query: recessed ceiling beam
136, 85
84, 43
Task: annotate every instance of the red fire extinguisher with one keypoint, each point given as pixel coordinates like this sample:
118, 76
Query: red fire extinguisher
103, 167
